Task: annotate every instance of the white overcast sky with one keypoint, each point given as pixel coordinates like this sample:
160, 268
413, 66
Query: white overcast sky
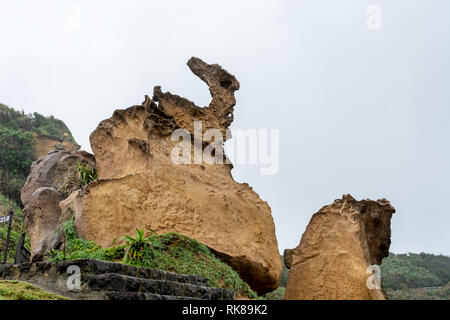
360, 111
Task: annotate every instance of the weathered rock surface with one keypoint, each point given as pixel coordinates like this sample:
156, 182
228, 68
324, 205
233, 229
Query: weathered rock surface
46, 144
51, 176
140, 186
341, 241
57, 169
42, 218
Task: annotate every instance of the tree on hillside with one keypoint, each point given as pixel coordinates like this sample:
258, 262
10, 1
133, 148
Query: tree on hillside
406, 271
16, 156
17, 132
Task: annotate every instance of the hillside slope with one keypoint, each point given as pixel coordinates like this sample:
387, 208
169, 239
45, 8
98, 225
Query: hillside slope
23, 139
416, 276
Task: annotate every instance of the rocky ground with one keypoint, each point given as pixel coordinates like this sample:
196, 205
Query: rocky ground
101, 280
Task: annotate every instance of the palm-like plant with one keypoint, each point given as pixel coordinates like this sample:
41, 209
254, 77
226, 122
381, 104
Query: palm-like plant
135, 246
86, 174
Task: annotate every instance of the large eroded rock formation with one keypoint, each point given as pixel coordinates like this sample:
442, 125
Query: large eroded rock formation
341, 241
140, 186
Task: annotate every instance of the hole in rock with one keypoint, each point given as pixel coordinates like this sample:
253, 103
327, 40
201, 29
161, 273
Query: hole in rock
225, 83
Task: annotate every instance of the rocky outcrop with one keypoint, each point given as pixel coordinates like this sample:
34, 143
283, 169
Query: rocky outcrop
45, 144
141, 186
341, 242
57, 169
51, 178
42, 218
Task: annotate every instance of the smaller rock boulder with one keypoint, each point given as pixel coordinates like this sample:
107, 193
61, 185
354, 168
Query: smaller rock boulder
42, 218
58, 169
52, 178
336, 254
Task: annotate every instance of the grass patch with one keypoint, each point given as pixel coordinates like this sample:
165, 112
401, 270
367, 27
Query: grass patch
178, 253
77, 248
169, 252
19, 290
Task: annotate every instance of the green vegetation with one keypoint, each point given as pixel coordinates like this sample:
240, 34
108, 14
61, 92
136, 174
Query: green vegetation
16, 156
17, 140
277, 294
76, 248
136, 246
18, 226
403, 276
37, 123
169, 252
178, 253
404, 271
71, 182
442, 293
19, 290
86, 174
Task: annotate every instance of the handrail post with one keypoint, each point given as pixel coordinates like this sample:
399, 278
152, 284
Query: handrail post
5, 257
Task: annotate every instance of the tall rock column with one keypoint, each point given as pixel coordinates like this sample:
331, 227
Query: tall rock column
341, 243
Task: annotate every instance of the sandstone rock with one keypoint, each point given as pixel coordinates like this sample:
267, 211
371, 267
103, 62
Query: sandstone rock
42, 218
51, 178
219, 113
46, 144
140, 186
57, 169
341, 241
